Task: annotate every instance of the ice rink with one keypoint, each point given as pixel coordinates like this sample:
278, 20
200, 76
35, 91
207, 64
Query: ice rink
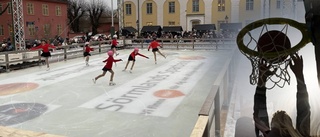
155, 100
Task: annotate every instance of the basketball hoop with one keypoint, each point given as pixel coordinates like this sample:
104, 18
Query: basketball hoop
273, 47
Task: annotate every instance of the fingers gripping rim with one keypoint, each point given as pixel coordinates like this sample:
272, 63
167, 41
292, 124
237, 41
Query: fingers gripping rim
300, 26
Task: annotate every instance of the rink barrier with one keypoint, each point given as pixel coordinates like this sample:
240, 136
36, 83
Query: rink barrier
184, 43
209, 122
10, 60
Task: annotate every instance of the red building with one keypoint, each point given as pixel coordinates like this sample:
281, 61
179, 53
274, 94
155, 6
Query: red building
42, 19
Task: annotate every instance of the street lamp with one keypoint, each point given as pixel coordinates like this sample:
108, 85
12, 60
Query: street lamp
138, 23
226, 18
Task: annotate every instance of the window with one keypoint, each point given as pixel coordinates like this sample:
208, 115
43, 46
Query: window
195, 5
31, 29
30, 8
149, 8
59, 29
9, 8
149, 23
249, 5
46, 29
128, 24
10, 30
58, 10
221, 5
172, 23
171, 7
1, 30
128, 9
45, 10
278, 4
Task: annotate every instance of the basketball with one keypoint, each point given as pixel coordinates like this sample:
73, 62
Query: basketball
273, 42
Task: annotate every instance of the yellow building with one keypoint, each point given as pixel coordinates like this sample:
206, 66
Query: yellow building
184, 13
187, 13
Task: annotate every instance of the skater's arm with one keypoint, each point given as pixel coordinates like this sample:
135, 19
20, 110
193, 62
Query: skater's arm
142, 55
37, 47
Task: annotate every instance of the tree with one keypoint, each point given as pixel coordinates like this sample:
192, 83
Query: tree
1, 12
76, 9
95, 9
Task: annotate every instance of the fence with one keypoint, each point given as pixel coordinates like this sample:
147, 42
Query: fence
209, 122
25, 58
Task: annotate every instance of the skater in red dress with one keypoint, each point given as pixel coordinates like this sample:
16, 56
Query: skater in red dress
132, 57
86, 52
114, 44
45, 51
108, 67
154, 45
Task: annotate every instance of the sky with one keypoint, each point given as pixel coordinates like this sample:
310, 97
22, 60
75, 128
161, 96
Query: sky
114, 3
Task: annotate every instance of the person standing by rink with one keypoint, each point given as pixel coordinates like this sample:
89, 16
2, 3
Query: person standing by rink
154, 45
45, 51
86, 52
114, 44
108, 67
132, 57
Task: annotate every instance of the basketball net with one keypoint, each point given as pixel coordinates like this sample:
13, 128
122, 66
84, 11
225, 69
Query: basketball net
278, 61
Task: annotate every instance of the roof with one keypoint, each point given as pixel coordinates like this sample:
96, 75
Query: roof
204, 27
172, 29
231, 26
151, 28
129, 29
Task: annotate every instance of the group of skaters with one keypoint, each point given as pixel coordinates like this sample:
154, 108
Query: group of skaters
109, 61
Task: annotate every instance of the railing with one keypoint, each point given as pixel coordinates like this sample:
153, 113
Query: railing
209, 119
23, 58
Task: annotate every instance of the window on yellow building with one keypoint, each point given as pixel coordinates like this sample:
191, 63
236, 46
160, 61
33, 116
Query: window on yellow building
9, 8
172, 7
149, 8
31, 29
221, 5
30, 8
278, 4
149, 23
1, 30
172, 23
59, 29
45, 9
195, 5
249, 5
128, 9
58, 10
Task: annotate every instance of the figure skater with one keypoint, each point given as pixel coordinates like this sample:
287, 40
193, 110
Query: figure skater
45, 51
114, 44
132, 57
108, 67
154, 45
86, 52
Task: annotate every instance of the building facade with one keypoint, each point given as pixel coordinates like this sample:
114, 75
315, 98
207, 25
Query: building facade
42, 19
187, 13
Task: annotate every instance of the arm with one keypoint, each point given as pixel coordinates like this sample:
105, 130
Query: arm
142, 55
117, 60
303, 107
260, 114
37, 47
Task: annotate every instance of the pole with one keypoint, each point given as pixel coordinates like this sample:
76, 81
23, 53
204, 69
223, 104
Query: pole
112, 23
138, 26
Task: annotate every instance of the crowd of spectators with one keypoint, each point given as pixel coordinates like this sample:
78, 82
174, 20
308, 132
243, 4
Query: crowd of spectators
6, 45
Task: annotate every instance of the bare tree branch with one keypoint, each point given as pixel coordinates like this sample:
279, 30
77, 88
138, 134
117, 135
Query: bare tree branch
76, 9
95, 9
